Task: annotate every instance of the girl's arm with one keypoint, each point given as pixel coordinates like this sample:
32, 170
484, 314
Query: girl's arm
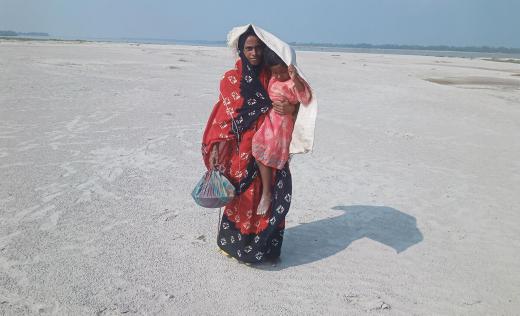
301, 88
298, 84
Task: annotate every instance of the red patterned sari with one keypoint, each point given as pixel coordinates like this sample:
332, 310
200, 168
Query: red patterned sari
242, 233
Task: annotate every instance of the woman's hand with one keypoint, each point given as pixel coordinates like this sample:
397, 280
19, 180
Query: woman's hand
283, 107
213, 156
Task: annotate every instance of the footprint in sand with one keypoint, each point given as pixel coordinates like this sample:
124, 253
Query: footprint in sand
165, 215
26, 147
69, 169
70, 125
51, 221
367, 303
200, 239
39, 212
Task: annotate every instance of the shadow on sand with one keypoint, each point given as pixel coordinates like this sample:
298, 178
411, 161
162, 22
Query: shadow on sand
317, 240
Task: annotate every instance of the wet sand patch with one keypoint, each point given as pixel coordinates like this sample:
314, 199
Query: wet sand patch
477, 81
504, 60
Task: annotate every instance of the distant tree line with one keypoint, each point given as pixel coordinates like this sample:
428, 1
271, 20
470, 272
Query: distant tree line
478, 49
13, 33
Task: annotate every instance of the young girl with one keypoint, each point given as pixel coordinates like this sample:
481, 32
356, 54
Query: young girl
271, 141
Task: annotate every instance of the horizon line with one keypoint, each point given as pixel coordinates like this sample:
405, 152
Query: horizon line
294, 43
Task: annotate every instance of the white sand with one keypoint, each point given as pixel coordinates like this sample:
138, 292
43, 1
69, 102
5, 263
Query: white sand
409, 204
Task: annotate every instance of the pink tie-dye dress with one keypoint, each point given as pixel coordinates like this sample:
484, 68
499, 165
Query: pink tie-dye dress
271, 141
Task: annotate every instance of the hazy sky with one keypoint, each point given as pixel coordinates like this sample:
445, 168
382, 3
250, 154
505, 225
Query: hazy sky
423, 22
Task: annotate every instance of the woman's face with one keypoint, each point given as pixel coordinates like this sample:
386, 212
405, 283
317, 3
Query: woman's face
253, 49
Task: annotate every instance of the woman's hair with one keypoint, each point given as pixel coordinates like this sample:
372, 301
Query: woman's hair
244, 36
271, 59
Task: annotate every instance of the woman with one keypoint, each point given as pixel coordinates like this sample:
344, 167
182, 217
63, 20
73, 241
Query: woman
227, 144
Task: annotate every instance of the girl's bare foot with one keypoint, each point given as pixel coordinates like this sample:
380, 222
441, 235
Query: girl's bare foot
263, 206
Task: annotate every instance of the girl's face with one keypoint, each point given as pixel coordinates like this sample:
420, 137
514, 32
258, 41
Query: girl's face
280, 72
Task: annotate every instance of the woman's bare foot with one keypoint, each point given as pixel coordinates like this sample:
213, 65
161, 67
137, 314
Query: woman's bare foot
263, 206
224, 253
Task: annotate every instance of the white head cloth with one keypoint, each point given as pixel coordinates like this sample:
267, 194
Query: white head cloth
303, 135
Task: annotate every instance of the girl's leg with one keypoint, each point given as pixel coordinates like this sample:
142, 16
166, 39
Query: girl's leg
265, 200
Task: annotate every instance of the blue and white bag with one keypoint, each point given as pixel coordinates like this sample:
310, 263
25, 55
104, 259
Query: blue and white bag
214, 190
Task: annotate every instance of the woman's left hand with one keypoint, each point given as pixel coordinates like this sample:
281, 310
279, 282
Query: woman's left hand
283, 107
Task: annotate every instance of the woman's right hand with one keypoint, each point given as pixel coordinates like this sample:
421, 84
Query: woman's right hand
213, 156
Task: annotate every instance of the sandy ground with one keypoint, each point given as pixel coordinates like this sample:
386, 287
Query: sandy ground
408, 205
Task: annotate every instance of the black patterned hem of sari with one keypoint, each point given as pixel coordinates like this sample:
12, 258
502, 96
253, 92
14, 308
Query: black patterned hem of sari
255, 248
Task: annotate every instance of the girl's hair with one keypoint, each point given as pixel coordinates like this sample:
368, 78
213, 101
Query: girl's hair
271, 59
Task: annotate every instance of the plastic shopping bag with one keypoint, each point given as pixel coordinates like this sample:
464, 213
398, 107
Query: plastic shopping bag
214, 190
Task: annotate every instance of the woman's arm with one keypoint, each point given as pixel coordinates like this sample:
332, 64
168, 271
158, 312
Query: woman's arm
284, 107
